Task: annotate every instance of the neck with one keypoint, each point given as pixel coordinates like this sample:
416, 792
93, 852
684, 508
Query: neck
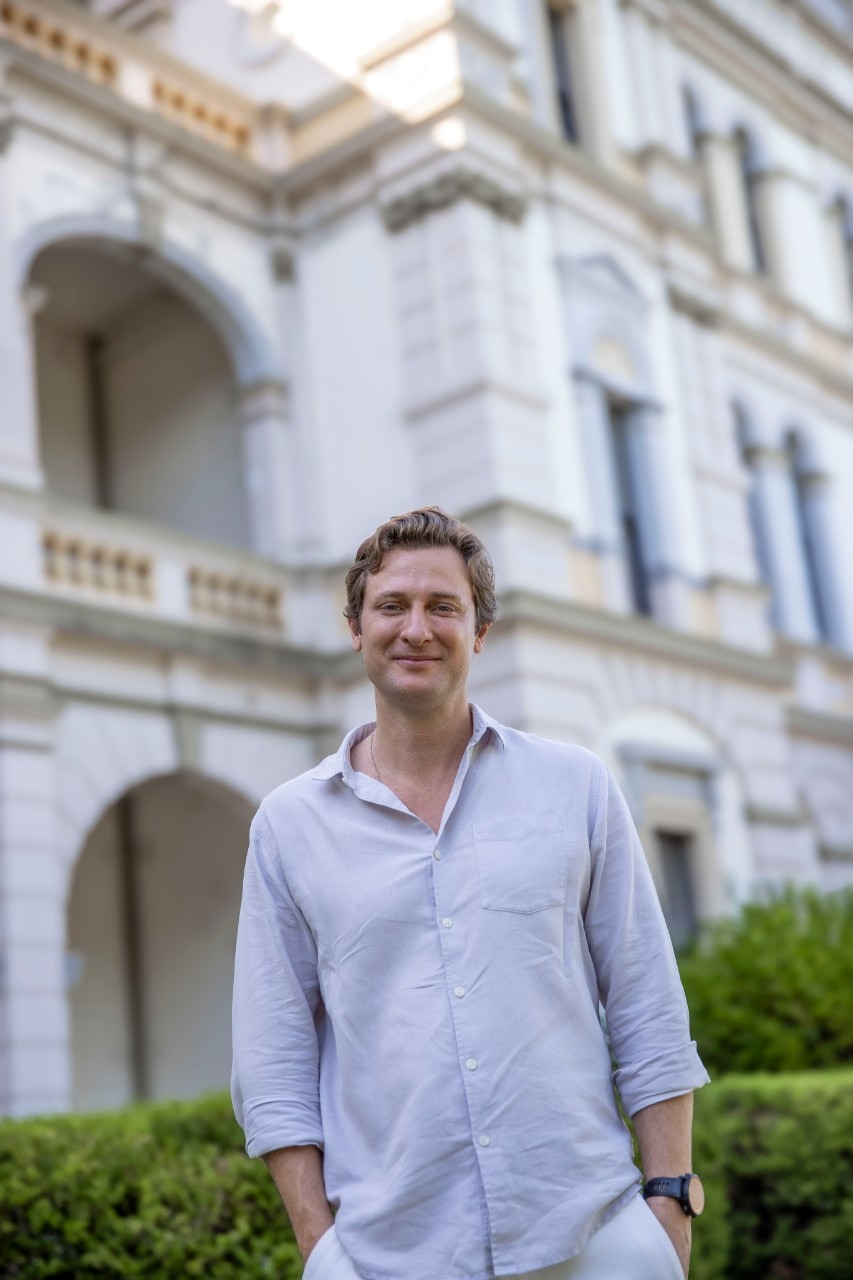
424, 744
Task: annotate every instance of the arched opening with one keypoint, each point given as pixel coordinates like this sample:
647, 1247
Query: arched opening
152, 920
687, 800
137, 394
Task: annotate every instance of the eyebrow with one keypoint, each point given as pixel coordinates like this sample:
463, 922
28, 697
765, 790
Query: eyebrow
433, 595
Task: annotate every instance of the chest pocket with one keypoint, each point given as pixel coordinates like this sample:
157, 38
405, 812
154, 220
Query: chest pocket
523, 860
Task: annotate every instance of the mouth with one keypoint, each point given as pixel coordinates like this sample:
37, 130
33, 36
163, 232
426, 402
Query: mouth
415, 662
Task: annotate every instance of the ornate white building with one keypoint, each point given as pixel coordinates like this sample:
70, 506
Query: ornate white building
581, 272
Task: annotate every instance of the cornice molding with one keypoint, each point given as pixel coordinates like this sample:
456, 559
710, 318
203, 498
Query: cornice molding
98, 623
449, 188
709, 309
619, 631
738, 57
764, 815
447, 17
805, 723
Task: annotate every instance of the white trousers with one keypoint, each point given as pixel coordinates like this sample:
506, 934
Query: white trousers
631, 1246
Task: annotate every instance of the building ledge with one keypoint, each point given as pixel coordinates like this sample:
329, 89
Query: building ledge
641, 634
96, 622
825, 726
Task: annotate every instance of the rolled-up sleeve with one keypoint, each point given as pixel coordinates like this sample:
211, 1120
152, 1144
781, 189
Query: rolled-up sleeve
275, 1073
638, 979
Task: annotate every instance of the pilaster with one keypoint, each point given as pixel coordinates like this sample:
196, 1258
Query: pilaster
34, 1062
263, 414
726, 198
600, 469
476, 412
19, 442
814, 497
790, 215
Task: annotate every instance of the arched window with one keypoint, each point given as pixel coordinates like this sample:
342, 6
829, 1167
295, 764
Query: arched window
629, 511
756, 521
844, 224
809, 488
749, 178
693, 118
560, 21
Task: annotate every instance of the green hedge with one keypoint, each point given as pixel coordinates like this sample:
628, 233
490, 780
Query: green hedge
772, 989
160, 1191
776, 1156
164, 1191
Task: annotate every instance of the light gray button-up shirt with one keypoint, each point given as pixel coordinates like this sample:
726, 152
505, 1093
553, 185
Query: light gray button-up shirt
425, 1007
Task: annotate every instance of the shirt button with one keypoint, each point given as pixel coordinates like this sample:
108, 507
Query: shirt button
436, 853
447, 922
484, 1140
471, 1064
459, 992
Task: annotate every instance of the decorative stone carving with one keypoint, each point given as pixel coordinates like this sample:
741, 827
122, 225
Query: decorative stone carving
447, 189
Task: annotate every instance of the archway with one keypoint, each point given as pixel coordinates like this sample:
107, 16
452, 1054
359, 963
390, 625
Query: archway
152, 920
137, 394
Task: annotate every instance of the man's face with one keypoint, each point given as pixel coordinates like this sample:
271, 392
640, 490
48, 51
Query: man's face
418, 630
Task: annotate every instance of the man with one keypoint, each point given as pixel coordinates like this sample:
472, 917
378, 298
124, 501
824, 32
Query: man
430, 919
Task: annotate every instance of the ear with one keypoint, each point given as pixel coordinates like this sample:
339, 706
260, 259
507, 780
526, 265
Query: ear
480, 638
355, 633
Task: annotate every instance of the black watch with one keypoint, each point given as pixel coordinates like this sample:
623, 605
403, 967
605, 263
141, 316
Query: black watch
687, 1190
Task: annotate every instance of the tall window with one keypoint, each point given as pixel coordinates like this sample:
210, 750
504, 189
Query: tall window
692, 118
628, 500
844, 211
749, 178
678, 893
559, 30
809, 537
756, 524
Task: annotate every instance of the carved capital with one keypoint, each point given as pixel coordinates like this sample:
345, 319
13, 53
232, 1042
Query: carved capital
447, 189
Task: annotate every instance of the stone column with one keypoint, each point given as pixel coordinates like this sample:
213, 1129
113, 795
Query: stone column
596, 434
814, 500
263, 412
19, 443
726, 198
790, 215
781, 543
34, 1035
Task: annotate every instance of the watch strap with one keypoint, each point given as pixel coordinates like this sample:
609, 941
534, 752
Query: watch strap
664, 1187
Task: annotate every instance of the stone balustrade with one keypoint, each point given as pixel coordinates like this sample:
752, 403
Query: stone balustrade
89, 565
36, 27
234, 598
56, 39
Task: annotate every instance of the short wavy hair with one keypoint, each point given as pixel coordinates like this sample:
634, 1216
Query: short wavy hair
424, 527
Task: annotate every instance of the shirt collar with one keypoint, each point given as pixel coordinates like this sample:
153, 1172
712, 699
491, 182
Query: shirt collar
339, 766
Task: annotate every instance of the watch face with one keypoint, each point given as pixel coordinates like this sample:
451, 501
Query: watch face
695, 1195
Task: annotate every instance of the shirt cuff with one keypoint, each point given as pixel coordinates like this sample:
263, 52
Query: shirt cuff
668, 1075
270, 1125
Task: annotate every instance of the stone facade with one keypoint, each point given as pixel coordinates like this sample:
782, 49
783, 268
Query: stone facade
581, 273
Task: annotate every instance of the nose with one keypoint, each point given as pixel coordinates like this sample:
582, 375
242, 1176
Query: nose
416, 630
